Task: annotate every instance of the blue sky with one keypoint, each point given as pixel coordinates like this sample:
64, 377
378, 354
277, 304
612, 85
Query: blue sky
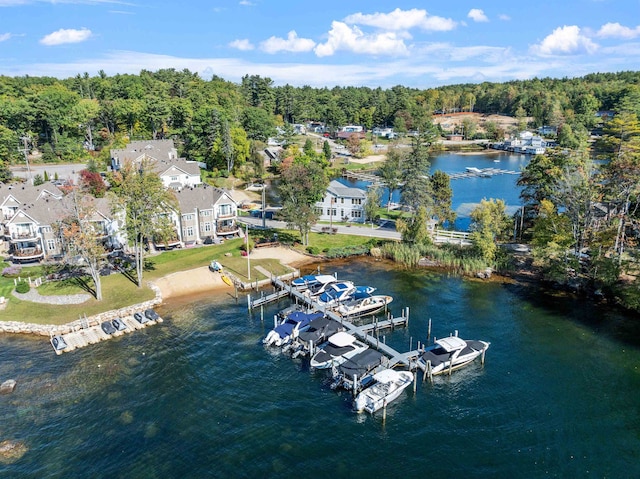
374, 43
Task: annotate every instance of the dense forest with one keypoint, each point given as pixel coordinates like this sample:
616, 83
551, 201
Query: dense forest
70, 119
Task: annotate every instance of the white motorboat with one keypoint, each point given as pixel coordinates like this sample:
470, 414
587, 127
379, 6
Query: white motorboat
290, 327
355, 308
312, 281
319, 331
387, 386
340, 347
451, 353
473, 169
336, 292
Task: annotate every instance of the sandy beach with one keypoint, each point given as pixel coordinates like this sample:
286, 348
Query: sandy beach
202, 279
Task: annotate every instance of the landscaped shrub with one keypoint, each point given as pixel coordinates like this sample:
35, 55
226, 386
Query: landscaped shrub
22, 287
313, 250
12, 271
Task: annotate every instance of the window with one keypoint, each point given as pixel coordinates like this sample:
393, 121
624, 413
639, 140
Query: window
188, 217
174, 178
189, 230
51, 244
356, 214
356, 201
46, 229
205, 213
207, 227
332, 212
342, 200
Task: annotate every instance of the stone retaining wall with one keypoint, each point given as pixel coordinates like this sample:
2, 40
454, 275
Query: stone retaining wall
17, 327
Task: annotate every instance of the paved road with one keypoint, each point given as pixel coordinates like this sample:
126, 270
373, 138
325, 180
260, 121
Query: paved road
65, 172
386, 231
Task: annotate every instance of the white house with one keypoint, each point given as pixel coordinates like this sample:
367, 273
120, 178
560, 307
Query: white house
342, 203
176, 173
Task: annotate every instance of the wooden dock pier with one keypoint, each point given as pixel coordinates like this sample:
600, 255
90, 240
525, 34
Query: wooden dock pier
361, 332
85, 336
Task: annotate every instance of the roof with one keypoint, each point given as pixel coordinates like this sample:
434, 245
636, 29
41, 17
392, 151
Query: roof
156, 149
200, 197
26, 193
177, 165
342, 339
452, 343
341, 191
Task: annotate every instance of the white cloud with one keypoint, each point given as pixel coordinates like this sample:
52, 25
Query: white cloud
477, 15
563, 41
291, 44
5, 36
246, 3
402, 20
66, 36
504, 17
352, 39
241, 44
616, 30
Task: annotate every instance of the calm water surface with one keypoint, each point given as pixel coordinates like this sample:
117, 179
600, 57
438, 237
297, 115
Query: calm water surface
199, 396
467, 192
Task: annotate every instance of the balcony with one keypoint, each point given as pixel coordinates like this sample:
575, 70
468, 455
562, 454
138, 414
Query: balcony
169, 244
226, 213
28, 254
227, 229
23, 235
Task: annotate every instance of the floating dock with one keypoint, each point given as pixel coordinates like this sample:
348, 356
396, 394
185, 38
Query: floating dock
84, 336
361, 332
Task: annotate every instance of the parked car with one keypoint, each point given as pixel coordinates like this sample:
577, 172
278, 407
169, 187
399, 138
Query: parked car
151, 314
107, 327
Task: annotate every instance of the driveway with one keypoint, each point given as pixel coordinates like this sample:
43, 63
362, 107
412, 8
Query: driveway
65, 172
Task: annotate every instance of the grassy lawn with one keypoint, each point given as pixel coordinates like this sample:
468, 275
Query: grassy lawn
117, 292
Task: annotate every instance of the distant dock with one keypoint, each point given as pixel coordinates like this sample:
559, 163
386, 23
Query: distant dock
84, 336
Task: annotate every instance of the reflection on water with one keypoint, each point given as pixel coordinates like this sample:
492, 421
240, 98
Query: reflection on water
200, 396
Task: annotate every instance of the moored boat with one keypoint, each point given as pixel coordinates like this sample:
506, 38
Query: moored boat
358, 307
319, 331
387, 386
312, 281
340, 347
290, 327
356, 372
451, 353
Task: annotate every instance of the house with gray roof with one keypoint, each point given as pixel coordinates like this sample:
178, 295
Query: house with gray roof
342, 203
207, 214
176, 173
30, 215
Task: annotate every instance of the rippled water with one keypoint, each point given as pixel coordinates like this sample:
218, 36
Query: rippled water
199, 396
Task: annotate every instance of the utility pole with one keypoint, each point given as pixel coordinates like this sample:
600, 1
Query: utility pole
26, 139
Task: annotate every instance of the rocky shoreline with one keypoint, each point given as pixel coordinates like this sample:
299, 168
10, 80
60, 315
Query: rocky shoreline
48, 330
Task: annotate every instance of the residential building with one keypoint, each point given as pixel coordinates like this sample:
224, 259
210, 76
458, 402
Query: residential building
207, 214
342, 203
176, 173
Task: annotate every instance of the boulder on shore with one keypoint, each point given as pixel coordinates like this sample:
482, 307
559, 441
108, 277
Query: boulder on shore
8, 386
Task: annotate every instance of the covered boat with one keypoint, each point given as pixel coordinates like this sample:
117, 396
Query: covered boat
355, 372
451, 353
318, 332
340, 347
387, 386
357, 307
289, 329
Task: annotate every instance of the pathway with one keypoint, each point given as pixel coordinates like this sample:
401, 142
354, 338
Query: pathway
35, 297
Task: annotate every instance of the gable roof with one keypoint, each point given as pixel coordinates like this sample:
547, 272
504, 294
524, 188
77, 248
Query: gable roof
158, 150
202, 197
341, 191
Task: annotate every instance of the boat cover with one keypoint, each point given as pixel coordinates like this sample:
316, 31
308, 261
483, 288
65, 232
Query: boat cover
320, 329
361, 363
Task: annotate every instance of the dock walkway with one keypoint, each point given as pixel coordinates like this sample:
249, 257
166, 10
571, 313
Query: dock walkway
361, 332
85, 336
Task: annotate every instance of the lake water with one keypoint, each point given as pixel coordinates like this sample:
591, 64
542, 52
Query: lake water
467, 192
199, 396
